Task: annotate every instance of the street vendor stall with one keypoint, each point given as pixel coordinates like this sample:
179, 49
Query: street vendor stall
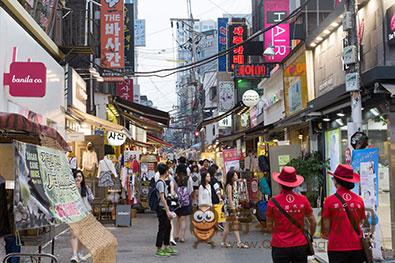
44, 198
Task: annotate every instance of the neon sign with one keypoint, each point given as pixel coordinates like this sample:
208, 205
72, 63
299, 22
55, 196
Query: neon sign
237, 33
252, 71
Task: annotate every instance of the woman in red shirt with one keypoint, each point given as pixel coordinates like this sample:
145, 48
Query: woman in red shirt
344, 244
289, 243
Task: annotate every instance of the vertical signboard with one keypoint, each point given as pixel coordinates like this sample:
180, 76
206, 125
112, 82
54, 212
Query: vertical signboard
139, 33
222, 23
237, 33
226, 95
278, 37
125, 90
129, 37
112, 34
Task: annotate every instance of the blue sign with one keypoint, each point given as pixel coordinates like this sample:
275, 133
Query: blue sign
222, 24
365, 162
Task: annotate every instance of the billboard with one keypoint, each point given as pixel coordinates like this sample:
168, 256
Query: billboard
129, 37
112, 36
236, 34
222, 24
278, 37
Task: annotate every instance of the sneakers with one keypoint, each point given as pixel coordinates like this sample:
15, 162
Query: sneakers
173, 243
75, 259
171, 251
162, 253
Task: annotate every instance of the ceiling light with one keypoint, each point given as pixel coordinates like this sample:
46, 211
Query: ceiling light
326, 32
341, 114
100, 79
335, 24
375, 111
269, 51
313, 45
326, 119
340, 122
319, 38
92, 70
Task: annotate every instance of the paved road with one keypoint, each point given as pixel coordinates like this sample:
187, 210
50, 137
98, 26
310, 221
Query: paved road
136, 244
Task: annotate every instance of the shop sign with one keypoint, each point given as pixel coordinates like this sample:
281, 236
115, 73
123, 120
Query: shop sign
75, 137
231, 159
222, 23
129, 37
139, 30
254, 116
252, 71
278, 37
250, 98
124, 90
26, 79
226, 95
115, 138
225, 122
390, 16
272, 100
237, 33
112, 34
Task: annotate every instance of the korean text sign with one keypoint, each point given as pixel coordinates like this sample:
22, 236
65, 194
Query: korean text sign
45, 191
112, 34
222, 23
237, 33
125, 90
231, 159
278, 37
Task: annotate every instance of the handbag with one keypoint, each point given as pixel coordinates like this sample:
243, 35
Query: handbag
306, 233
105, 178
365, 240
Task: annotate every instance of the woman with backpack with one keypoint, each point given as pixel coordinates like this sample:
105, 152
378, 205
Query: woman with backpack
184, 190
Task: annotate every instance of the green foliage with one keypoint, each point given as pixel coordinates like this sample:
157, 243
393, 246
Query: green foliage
311, 167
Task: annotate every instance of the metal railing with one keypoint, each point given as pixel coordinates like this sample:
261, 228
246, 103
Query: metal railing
33, 257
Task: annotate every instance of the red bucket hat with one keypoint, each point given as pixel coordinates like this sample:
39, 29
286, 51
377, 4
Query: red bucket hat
288, 177
346, 173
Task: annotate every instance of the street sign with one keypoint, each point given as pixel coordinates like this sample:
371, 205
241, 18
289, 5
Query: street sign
352, 81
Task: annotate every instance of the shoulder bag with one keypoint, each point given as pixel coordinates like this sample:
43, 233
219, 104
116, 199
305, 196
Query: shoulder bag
365, 240
306, 233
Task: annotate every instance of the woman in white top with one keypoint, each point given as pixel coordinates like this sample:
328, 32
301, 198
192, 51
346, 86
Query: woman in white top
106, 165
204, 199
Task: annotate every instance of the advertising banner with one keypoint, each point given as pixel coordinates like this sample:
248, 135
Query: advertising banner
129, 37
139, 33
295, 85
279, 37
236, 34
231, 160
45, 191
124, 89
112, 36
226, 95
332, 148
222, 24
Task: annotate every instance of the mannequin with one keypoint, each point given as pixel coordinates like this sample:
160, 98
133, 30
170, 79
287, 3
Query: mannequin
89, 166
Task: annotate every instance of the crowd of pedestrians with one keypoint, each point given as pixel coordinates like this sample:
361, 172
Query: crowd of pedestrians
191, 186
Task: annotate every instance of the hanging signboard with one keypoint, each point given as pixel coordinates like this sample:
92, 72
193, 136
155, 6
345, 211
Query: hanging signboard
226, 95
45, 191
112, 34
115, 138
222, 24
124, 90
252, 71
139, 31
278, 37
129, 37
237, 33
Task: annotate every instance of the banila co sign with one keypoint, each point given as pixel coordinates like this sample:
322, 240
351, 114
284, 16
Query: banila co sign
26, 79
115, 138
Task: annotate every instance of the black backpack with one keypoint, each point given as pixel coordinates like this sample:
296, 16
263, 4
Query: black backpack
153, 195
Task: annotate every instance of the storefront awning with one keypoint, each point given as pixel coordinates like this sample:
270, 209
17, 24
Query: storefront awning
143, 111
11, 122
236, 109
93, 120
232, 137
141, 123
155, 140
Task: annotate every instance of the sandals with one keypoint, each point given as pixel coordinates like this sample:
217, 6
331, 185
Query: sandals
225, 245
242, 245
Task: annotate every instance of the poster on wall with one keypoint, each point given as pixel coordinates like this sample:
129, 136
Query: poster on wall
332, 151
295, 95
231, 160
45, 191
226, 95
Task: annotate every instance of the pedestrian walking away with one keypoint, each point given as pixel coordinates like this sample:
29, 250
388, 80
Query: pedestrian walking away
344, 238
286, 213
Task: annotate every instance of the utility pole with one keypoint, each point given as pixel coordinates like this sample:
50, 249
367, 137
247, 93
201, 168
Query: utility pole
353, 70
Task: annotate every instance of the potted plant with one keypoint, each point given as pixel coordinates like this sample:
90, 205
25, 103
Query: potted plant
311, 166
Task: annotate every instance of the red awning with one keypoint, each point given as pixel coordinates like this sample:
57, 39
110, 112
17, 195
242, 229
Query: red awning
156, 140
18, 123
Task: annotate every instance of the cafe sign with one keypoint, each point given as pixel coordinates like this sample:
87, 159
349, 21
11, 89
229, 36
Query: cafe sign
26, 79
115, 138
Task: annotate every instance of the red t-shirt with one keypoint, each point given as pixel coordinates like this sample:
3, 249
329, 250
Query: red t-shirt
285, 234
342, 236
